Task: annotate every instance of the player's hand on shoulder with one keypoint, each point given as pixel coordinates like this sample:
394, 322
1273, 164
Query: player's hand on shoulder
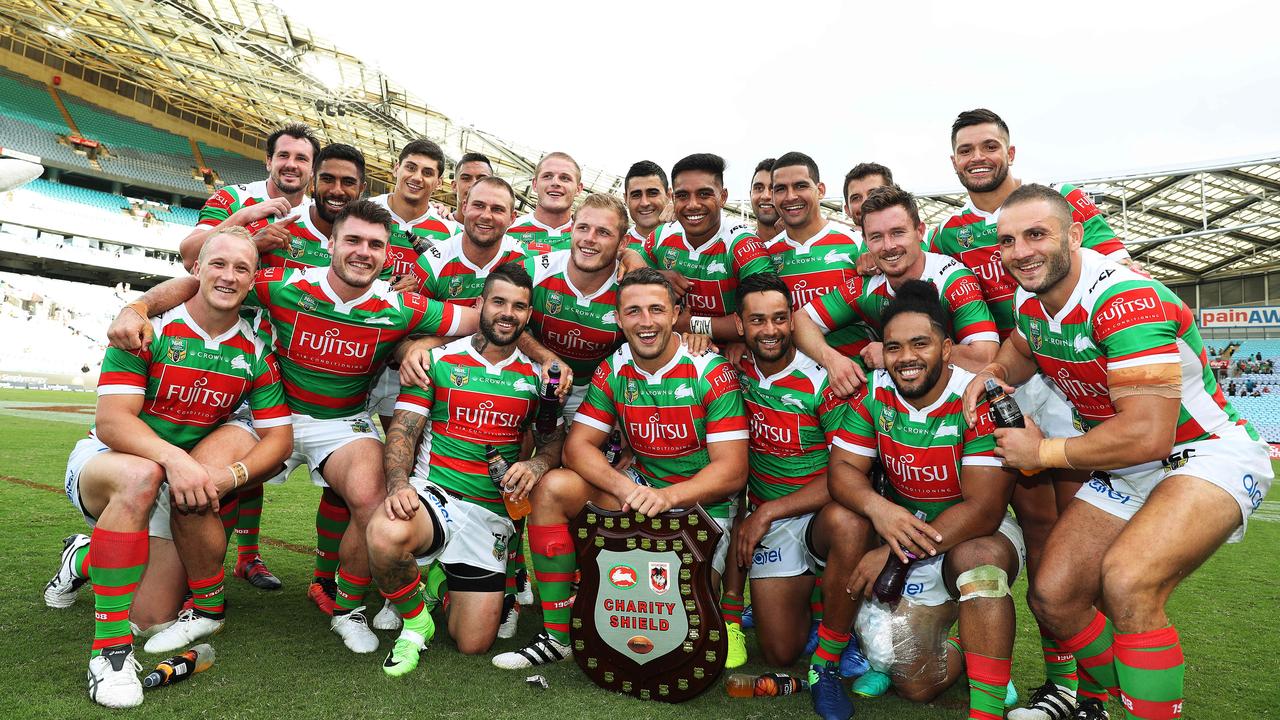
697, 344
415, 366
405, 283
277, 207
130, 331
843, 375
402, 503
873, 355
867, 265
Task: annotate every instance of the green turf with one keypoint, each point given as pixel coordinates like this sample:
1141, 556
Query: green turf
277, 657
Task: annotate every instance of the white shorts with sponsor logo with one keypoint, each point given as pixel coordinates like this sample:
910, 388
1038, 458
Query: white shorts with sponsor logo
86, 450
315, 439
1040, 400
1239, 466
476, 536
925, 582
383, 394
784, 550
726, 525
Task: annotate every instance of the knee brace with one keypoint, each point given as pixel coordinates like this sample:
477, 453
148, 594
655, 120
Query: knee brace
984, 581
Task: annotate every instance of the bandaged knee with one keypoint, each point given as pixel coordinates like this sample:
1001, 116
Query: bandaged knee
984, 581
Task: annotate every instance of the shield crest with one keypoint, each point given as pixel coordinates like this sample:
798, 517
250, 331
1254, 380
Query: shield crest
669, 259
306, 302
657, 635
296, 246
177, 351
965, 236
1037, 339
555, 301
631, 393
455, 285
887, 416
459, 376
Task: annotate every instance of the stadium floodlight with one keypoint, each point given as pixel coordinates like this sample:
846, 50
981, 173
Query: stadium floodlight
60, 31
324, 70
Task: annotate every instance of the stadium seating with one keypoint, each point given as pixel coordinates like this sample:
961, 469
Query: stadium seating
231, 168
55, 327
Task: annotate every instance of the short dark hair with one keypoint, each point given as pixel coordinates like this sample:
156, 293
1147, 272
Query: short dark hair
646, 276
866, 170
766, 165
423, 146
705, 162
761, 282
512, 272
473, 157
1028, 192
979, 116
918, 296
793, 158
341, 151
645, 168
294, 130
883, 198
366, 210
495, 180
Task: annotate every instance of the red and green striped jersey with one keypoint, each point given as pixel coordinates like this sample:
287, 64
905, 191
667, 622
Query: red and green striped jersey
713, 269
817, 266
330, 350
970, 237
862, 300
668, 417
192, 382
307, 247
402, 253
633, 240
445, 273
794, 415
537, 238
923, 451
224, 203
581, 329
1116, 320
471, 403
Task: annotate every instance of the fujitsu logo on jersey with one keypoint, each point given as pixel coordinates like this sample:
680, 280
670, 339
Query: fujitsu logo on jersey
802, 293
487, 418
704, 295
661, 432
1129, 308
575, 341
199, 393
905, 468
1077, 387
773, 432
333, 346
654, 429
486, 413
192, 396
401, 260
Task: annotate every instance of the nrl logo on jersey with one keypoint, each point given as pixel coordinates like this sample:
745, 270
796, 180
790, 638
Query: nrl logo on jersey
459, 376
669, 259
296, 247
885, 421
455, 285
776, 262
177, 351
631, 393
555, 301
965, 236
1036, 337
307, 302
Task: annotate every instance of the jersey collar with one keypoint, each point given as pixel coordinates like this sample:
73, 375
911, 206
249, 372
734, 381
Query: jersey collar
532, 219
657, 376
210, 343
491, 368
803, 247
339, 306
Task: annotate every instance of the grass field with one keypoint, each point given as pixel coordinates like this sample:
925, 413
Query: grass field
277, 657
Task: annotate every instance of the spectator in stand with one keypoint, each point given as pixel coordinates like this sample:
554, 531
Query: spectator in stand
1231, 389
1251, 387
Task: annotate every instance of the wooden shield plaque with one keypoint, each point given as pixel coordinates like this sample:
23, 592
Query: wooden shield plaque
647, 621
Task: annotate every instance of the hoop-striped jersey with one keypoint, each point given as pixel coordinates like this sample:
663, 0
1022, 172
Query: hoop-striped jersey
445, 273
537, 238
471, 403
1115, 323
970, 237
669, 417
406, 235
923, 451
817, 266
581, 329
714, 268
862, 301
307, 246
330, 350
633, 240
192, 382
793, 415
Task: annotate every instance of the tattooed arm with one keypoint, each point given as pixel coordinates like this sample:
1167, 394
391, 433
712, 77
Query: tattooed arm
397, 456
524, 475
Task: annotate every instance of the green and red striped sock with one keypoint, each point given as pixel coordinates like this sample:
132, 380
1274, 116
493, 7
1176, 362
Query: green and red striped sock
731, 607
553, 564
815, 599
229, 512
1059, 665
1150, 668
331, 522
409, 603
249, 523
831, 645
207, 595
1094, 658
116, 563
988, 681
351, 592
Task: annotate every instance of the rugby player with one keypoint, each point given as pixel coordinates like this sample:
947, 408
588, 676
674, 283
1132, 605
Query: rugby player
859, 182
155, 406
762, 201
415, 224
684, 420
334, 329
471, 167
557, 180
648, 197
1176, 471
945, 503
893, 231
291, 152
483, 392
982, 157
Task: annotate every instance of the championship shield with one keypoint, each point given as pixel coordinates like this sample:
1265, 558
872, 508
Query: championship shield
646, 621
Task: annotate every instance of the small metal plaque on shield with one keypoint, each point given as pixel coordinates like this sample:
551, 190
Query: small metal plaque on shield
632, 614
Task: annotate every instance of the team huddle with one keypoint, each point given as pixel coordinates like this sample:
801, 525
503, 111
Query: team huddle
822, 391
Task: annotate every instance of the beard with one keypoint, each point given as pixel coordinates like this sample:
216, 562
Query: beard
923, 385
491, 333
991, 182
1056, 267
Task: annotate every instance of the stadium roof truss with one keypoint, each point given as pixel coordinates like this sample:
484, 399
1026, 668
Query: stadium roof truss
243, 68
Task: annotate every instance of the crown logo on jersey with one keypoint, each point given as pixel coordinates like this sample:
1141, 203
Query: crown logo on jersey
307, 302
177, 351
669, 259
886, 419
455, 285
459, 375
555, 301
296, 247
965, 236
1037, 338
631, 393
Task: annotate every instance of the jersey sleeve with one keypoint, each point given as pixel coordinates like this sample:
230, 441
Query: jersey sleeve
839, 308
266, 398
749, 256
598, 409
418, 399
217, 208
124, 372
1136, 326
831, 410
857, 430
260, 296
426, 275
722, 398
430, 317
649, 250
1098, 235
980, 441
933, 243
971, 319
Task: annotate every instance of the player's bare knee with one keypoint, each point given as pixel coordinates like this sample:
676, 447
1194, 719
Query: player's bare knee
137, 488
917, 692
976, 553
1126, 583
779, 652
475, 645
557, 488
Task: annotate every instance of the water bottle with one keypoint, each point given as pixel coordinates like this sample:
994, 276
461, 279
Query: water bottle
613, 447
1005, 412
180, 667
497, 471
549, 402
740, 685
892, 579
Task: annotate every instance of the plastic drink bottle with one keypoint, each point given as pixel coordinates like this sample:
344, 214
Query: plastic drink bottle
180, 667
767, 685
549, 403
497, 471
